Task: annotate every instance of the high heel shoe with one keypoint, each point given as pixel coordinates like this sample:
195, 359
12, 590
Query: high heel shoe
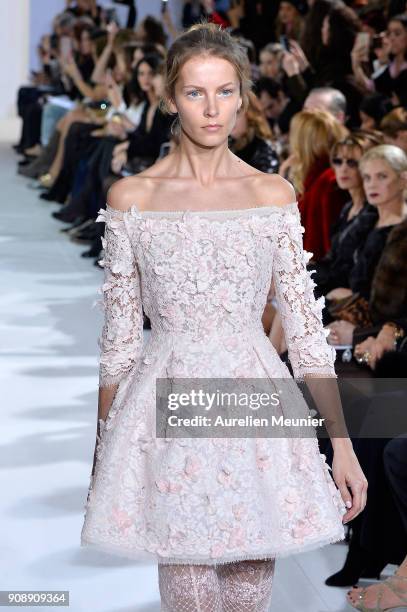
358, 564
46, 180
391, 584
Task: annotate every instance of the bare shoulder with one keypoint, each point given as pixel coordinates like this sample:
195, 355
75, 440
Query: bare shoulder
129, 191
273, 189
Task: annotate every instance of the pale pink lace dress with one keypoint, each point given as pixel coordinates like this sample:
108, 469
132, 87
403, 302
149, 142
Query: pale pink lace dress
203, 279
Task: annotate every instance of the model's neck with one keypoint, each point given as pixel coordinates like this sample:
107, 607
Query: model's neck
204, 164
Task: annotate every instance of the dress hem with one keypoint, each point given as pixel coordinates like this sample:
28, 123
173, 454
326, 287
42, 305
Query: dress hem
143, 555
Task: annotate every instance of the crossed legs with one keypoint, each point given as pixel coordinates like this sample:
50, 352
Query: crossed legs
242, 586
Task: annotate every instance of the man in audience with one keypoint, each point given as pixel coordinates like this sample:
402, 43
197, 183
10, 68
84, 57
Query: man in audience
328, 99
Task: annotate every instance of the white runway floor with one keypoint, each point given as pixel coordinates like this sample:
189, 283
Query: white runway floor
48, 357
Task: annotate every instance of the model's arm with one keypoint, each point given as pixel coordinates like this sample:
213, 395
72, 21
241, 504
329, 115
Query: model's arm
311, 357
121, 339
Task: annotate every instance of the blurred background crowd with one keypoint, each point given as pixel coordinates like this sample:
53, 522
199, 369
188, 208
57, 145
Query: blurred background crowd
328, 111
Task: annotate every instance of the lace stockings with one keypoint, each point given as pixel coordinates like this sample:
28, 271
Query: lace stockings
243, 586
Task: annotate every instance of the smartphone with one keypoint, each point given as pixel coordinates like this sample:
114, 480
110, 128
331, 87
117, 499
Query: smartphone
164, 5
284, 42
65, 46
363, 42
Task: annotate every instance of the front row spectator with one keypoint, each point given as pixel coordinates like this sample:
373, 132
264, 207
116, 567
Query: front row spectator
312, 135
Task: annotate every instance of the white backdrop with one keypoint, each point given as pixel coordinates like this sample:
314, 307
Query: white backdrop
22, 22
14, 53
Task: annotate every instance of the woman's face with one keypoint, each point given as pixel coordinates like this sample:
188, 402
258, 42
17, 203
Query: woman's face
381, 183
86, 43
325, 31
145, 76
286, 13
207, 92
158, 84
345, 165
269, 65
397, 37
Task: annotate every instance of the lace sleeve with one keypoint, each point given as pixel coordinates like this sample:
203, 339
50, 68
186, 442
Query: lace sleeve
311, 357
301, 314
122, 333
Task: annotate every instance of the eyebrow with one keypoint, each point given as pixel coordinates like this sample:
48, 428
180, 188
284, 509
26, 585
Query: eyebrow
198, 87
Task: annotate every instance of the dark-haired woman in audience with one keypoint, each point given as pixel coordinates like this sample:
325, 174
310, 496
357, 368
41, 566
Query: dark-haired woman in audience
290, 18
354, 219
339, 31
390, 78
252, 139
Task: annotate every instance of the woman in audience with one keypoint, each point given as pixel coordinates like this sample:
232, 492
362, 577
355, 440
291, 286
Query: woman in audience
252, 139
311, 40
339, 31
384, 175
290, 20
151, 31
312, 136
270, 61
99, 92
144, 143
391, 76
334, 268
387, 302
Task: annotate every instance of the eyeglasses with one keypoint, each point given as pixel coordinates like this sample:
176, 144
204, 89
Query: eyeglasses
351, 163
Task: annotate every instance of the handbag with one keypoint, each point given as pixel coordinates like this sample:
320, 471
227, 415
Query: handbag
354, 309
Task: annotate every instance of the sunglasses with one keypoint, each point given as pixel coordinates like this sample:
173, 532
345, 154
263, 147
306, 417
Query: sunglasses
351, 163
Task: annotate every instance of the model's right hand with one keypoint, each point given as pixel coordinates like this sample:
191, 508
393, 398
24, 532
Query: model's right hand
348, 474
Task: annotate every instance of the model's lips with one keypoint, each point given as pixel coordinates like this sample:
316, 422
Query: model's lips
213, 127
373, 195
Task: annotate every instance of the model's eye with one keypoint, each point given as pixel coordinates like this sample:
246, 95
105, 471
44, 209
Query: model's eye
193, 92
381, 175
228, 91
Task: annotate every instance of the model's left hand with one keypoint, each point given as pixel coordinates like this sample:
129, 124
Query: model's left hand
348, 474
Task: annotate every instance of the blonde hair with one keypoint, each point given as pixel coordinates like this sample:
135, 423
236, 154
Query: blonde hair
313, 133
393, 156
208, 39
